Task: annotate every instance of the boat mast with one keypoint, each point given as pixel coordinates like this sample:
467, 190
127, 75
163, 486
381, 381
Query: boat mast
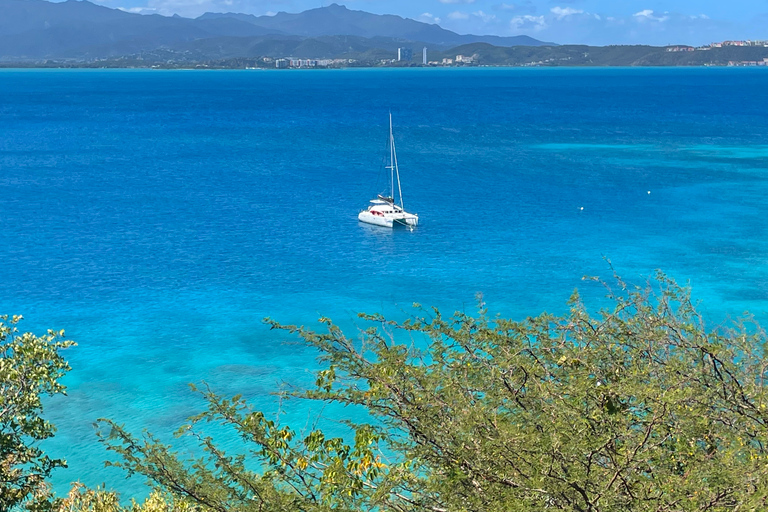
393, 161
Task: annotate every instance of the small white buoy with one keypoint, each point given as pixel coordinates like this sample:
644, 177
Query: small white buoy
581, 208
649, 191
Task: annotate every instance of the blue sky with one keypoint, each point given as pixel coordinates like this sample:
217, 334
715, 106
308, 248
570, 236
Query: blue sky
596, 22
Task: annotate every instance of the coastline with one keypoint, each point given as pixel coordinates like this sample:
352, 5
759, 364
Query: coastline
85, 67
475, 55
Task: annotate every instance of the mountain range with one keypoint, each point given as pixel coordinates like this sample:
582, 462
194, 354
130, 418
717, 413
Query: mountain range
80, 30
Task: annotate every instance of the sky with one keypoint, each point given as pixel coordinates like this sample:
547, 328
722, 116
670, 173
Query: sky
594, 22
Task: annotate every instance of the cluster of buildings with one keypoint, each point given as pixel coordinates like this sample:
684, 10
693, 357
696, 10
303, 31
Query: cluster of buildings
403, 55
460, 59
725, 44
290, 62
406, 55
740, 43
749, 63
722, 44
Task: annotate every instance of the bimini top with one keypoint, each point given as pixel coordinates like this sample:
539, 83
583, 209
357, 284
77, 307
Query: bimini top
379, 201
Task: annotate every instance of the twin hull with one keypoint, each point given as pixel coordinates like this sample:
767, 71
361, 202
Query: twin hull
388, 221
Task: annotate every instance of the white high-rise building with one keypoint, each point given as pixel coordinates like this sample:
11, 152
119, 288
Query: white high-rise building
404, 54
424, 56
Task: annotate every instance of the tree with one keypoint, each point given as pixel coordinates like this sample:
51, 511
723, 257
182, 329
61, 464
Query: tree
30, 368
83, 499
637, 407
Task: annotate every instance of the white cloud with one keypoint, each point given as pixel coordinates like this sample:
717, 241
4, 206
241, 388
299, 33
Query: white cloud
428, 17
563, 24
649, 15
458, 15
527, 22
194, 8
506, 7
564, 12
485, 17
457, 1
139, 10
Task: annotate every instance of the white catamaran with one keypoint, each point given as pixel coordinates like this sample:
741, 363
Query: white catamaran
385, 210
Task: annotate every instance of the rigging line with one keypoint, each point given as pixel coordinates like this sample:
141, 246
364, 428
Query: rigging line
397, 170
391, 160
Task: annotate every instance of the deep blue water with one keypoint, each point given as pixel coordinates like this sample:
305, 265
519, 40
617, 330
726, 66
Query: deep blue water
158, 216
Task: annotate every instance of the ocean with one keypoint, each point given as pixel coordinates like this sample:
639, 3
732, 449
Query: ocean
159, 216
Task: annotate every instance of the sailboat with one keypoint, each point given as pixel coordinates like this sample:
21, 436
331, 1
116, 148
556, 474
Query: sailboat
387, 211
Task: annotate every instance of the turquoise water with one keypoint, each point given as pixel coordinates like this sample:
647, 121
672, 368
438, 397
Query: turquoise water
158, 216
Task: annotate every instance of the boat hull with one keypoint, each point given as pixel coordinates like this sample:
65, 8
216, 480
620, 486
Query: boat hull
376, 220
388, 221
410, 220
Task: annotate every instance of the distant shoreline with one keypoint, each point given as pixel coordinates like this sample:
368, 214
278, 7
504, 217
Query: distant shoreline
21, 67
472, 55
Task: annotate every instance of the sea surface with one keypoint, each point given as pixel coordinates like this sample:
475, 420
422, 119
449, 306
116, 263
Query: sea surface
158, 216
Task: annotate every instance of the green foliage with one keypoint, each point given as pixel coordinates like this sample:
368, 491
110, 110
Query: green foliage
30, 368
83, 499
308, 474
612, 55
638, 407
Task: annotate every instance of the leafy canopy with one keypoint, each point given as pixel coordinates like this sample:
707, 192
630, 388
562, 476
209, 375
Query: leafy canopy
638, 407
30, 368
